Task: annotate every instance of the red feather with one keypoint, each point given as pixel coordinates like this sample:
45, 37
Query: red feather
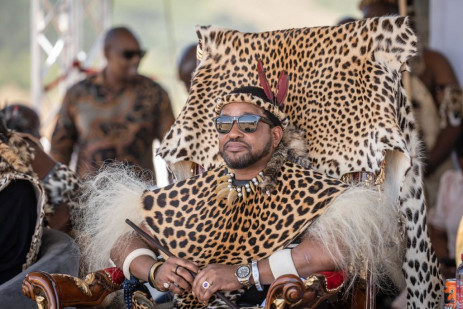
263, 80
283, 85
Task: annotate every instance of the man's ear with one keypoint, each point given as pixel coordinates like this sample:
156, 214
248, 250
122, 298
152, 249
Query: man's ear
277, 135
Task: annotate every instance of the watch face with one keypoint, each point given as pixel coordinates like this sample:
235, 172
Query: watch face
243, 271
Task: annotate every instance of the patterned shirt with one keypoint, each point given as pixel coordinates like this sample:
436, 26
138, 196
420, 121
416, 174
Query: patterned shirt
109, 126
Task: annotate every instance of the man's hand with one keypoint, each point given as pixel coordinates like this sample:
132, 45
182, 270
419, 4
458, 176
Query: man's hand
213, 278
173, 275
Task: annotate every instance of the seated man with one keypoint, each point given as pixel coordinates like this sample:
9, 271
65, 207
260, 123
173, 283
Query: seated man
59, 182
21, 211
347, 96
26, 245
231, 227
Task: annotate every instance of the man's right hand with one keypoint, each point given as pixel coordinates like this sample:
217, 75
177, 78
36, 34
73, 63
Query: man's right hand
174, 275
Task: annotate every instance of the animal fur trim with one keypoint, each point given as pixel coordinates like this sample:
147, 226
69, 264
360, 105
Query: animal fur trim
109, 198
291, 148
294, 140
16, 155
360, 230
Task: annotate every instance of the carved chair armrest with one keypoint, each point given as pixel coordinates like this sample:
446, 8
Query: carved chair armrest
56, 291
290, 291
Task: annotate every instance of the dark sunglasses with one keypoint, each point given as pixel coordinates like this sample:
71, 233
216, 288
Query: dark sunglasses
246, 123
129, 54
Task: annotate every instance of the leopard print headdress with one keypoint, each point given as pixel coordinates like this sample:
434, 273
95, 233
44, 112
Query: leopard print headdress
271, 102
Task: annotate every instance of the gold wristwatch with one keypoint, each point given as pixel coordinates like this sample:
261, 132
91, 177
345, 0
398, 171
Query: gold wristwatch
243, 274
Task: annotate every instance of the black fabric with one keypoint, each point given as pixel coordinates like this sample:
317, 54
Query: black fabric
18, 216
59, 254
253, 297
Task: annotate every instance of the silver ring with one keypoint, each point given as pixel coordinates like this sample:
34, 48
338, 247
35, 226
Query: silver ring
206, 285
166, 285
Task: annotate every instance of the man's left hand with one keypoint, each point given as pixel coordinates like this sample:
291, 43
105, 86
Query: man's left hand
213, 278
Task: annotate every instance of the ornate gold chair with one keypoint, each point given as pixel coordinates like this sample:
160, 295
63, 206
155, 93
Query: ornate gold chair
289, 291
346, 95
55, 291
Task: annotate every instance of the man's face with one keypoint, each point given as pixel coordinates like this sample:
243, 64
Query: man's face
241, 150
123, 56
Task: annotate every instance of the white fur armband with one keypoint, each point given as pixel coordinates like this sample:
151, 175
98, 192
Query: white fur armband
132, 256
281, 263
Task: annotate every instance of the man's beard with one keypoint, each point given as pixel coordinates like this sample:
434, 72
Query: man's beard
246, 159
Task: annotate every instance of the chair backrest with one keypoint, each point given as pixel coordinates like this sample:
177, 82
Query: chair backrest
344, 87
345, 92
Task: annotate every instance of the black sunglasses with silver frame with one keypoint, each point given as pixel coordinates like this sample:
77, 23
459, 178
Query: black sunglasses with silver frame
246, 123
129, 54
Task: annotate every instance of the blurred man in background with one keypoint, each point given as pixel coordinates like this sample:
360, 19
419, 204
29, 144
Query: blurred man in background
187, 65
449, 211
114, 115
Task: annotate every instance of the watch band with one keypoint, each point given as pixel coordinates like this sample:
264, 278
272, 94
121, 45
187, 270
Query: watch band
255, 275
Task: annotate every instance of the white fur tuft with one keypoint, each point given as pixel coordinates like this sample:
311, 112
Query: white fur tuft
109, 198
361, 233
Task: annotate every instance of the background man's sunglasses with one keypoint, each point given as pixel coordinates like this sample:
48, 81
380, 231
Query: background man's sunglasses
129, 54
246, 123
